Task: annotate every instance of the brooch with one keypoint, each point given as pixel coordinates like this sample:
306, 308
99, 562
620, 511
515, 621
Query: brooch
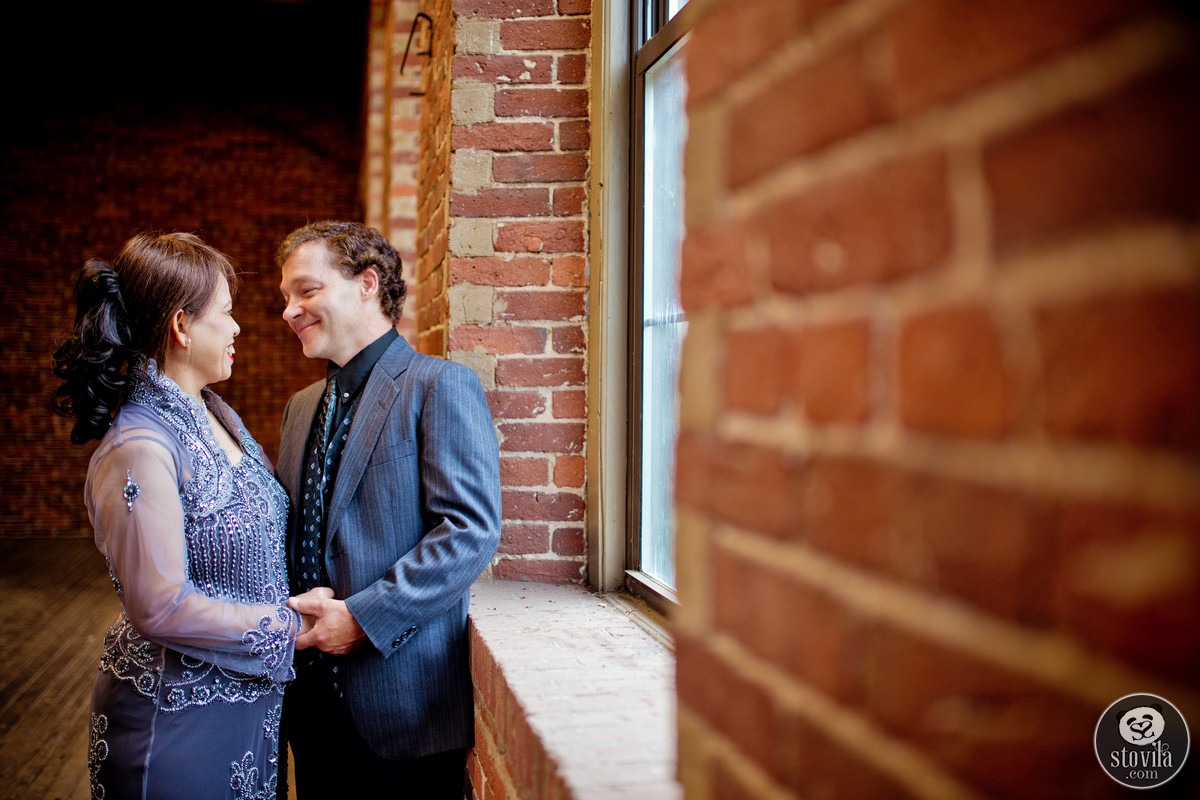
132, 490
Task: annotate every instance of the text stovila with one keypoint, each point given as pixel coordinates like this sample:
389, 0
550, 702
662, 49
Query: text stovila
1157, 756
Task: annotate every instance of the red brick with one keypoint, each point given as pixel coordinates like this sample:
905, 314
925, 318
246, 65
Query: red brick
568, 201
523, 538
759, 28
954, 376
569, 271
753, 487
511, 70
439, 245
568, 339
565, 371
979, 543
504, 136
569, 404
941, 49
567, 7
1124, 368
887, 223
717, 270
831, 378
558, 571
431, 342
559, 236
516, 404
755, 371
729, 785
504, 340
999, 730
498, 777
542, 437
852, 507
540, 168
801, 112
1126, 158
569, 542
574, 134
503, 9
570, 471
555, 306
706, 684
1127, 582
571, 69
823, 658
427, 292
817, 765
541, 103
511, 271
546, 34
507, 202
553, 506
524, 471
475, 770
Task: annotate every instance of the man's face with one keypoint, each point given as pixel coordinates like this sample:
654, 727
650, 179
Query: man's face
325, 309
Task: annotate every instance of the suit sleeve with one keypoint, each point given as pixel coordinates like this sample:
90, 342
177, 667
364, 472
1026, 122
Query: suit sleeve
460, 497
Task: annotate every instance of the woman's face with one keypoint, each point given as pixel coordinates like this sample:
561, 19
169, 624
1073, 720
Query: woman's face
212, 332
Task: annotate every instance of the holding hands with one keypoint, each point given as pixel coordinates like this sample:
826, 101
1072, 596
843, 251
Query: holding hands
326, 623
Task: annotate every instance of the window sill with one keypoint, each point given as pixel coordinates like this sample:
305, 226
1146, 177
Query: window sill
575, 695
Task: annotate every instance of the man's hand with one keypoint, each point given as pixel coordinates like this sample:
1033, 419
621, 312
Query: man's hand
333, 628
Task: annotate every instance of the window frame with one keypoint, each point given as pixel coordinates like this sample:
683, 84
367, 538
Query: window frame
613, 444
651, 38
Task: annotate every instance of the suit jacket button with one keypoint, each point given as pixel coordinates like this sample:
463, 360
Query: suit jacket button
396, 643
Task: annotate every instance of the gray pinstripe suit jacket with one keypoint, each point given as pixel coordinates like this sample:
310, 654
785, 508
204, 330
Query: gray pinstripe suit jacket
413, 520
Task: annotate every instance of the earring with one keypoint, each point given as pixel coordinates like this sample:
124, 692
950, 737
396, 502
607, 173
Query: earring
188, 343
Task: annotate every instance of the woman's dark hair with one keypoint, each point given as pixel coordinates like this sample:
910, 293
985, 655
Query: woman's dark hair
355, 247
123, 312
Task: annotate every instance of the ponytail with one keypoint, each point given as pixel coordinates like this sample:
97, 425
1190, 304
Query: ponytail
93, 363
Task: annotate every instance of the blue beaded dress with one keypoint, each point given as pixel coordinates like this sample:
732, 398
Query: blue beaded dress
187, 699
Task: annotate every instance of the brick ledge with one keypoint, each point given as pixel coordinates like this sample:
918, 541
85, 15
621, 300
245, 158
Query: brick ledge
575, 697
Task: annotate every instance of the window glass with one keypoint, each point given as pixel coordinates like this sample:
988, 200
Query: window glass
673, 7
663, 323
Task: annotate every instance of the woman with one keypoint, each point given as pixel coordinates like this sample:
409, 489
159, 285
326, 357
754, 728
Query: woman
188, 514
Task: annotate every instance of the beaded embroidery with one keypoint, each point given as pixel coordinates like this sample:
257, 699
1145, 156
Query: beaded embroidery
245, 781
97, 753
234, 526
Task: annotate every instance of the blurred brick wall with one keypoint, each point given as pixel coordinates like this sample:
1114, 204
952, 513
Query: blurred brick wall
239, 153
939, 484
391, 138
431, 300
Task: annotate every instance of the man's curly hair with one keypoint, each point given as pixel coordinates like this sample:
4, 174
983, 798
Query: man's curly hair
355, 247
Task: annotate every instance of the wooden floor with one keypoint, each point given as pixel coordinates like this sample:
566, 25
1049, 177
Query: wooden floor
56, 603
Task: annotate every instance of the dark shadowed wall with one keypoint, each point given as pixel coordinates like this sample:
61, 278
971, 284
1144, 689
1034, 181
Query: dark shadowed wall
235, 121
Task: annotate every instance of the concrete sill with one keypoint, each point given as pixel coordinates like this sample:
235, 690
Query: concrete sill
575, 696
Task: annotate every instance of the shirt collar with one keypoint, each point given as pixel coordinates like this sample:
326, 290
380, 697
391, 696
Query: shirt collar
352, 376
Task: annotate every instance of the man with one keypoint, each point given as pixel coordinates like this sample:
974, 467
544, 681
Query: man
394, 477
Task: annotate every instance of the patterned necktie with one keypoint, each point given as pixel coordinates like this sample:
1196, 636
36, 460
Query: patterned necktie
316, 495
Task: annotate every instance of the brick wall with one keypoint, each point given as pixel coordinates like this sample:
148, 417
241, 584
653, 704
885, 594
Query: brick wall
574, 696
432, 298
503, 240
938, 487
391, 142
239, 162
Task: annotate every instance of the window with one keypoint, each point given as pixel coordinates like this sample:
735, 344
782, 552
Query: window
657, 136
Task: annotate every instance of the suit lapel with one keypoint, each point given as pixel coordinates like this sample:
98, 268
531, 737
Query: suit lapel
294, 439
378, 396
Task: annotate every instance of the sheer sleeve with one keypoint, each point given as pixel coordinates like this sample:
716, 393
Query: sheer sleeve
133, 498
